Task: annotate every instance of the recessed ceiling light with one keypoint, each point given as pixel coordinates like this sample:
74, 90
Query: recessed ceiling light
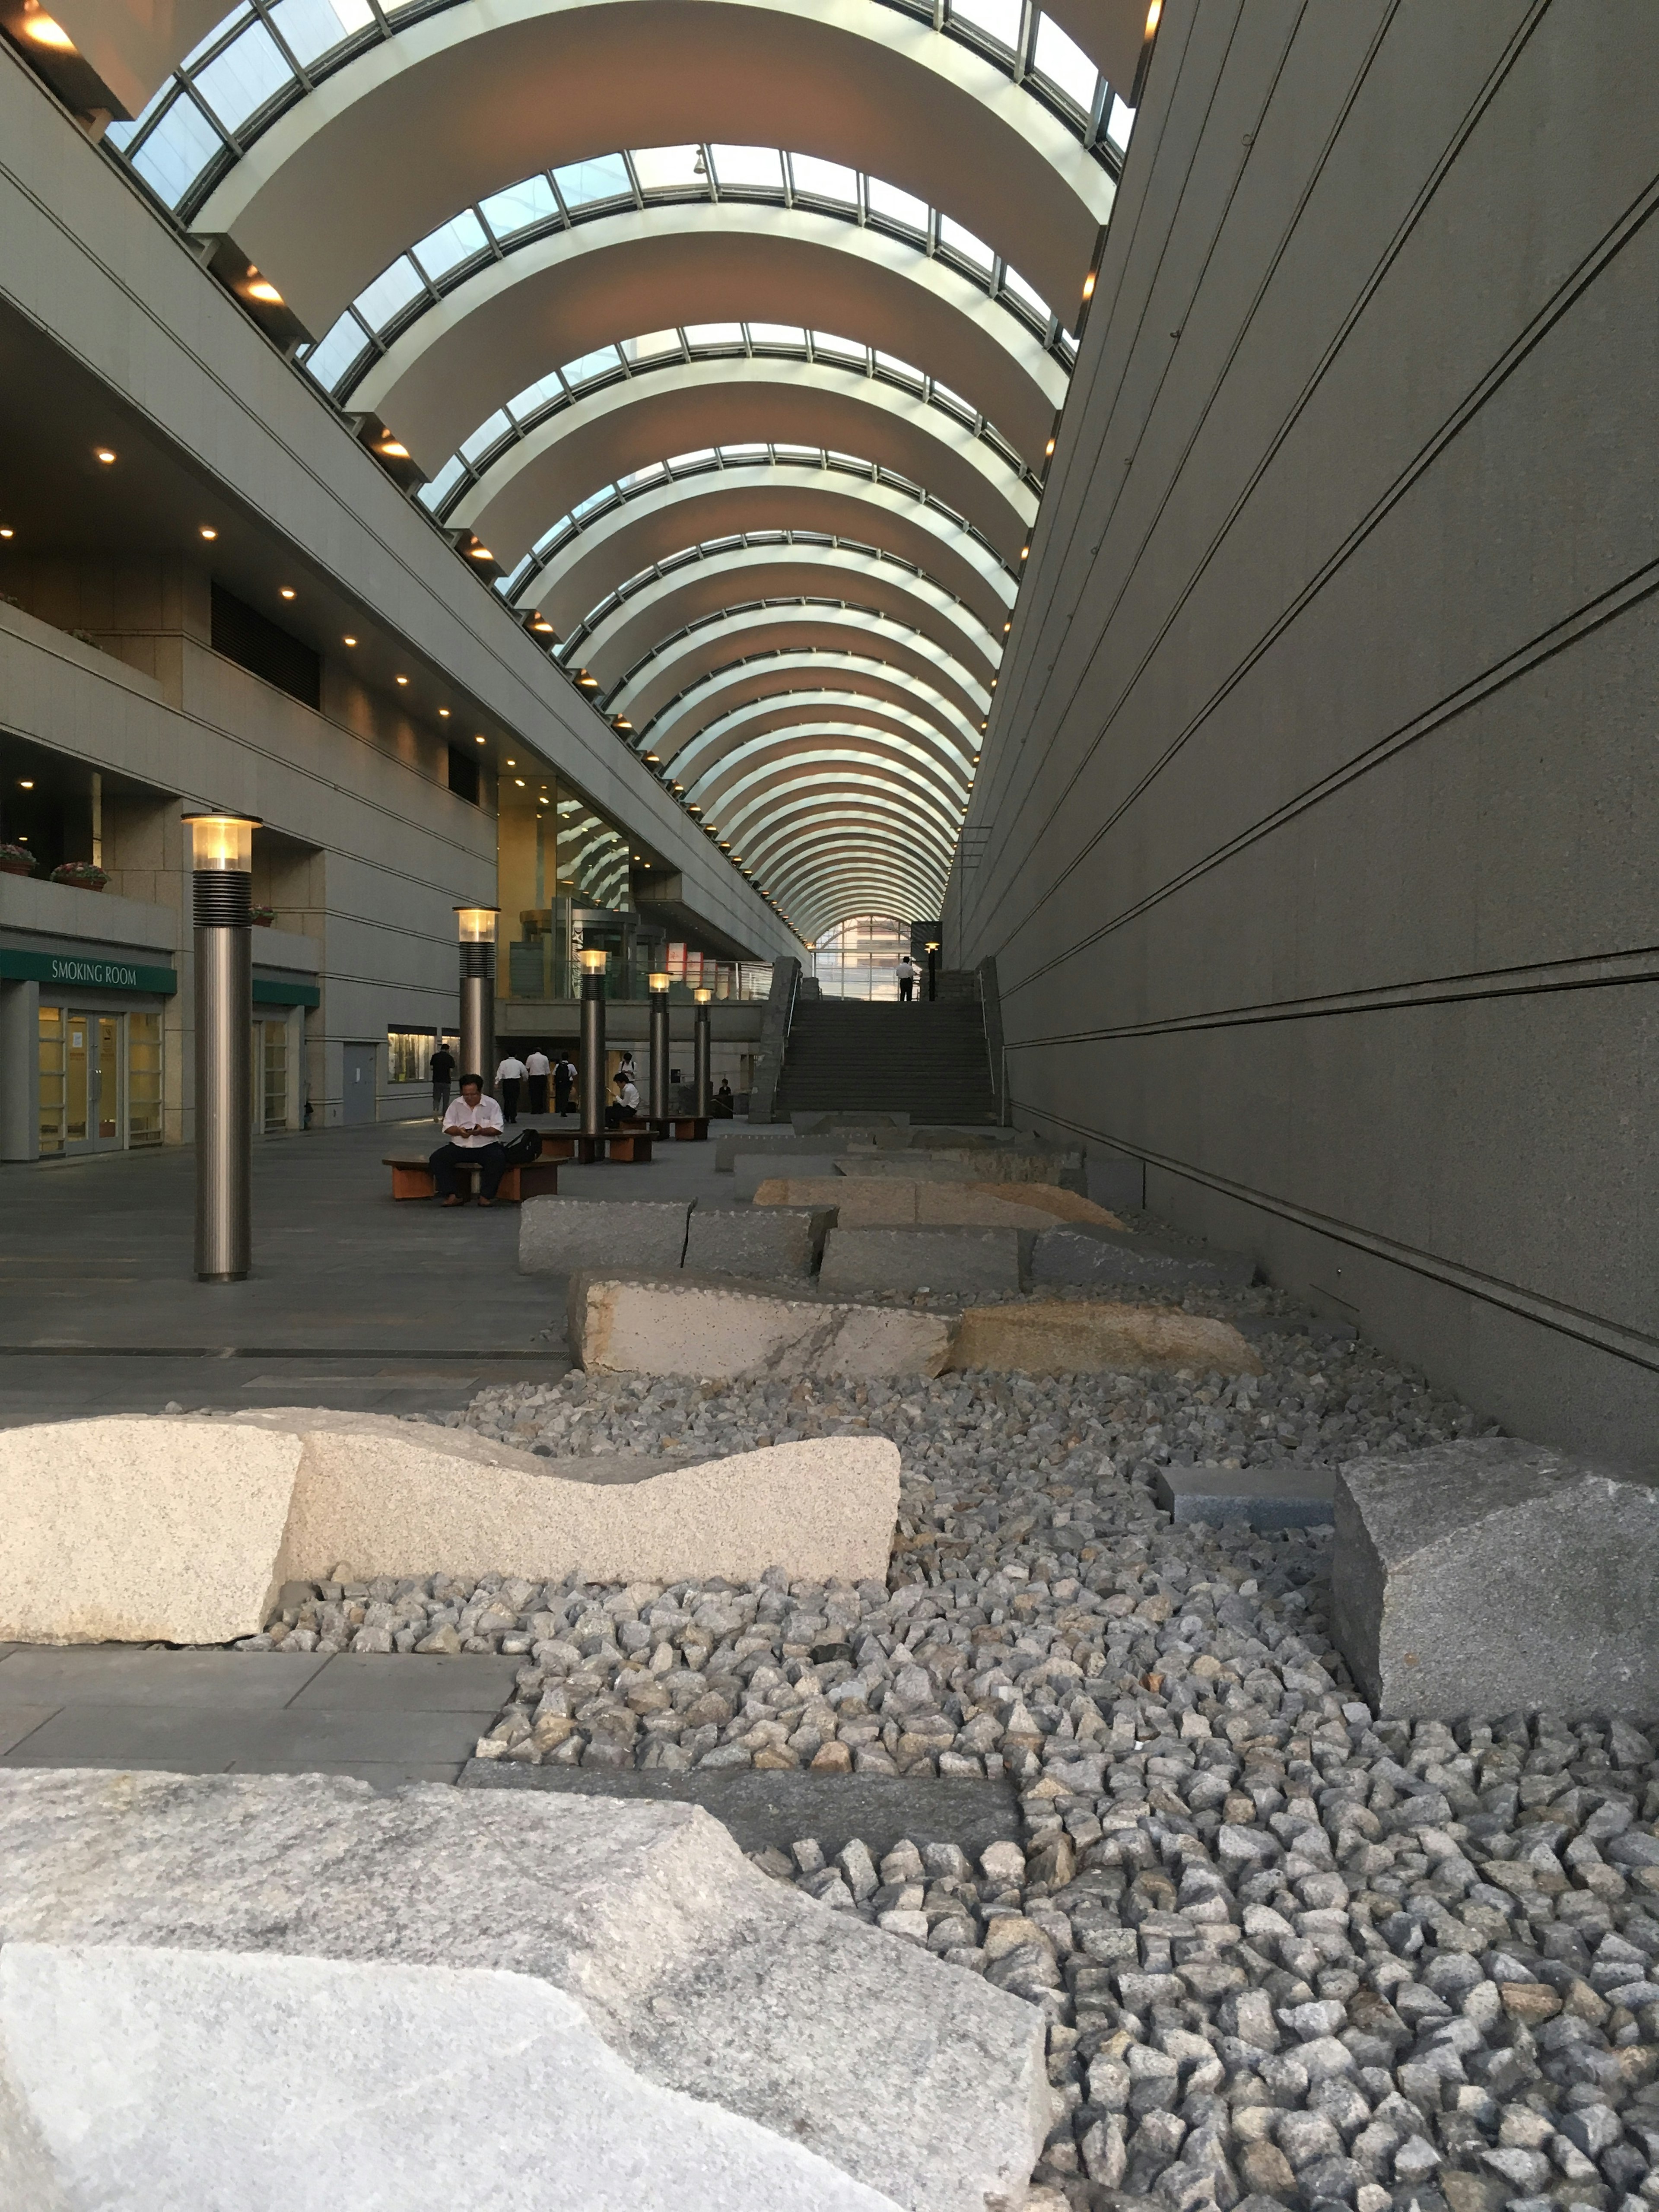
26, 783
1049, 450
287, 590
477, 741
261, 287
1089, 285
518, 779
349, 640
393, 448
443, 713
209, 532
513, 764
103, 454
44, 30
6, 533
403, 679
480, 553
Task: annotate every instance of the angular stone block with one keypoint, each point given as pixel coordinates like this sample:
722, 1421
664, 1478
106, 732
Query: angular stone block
1061, 1204
776, 1243
756, 1144
131, 1530
1490, 1575
144, 2077
750, 1170
400, 1497
968, 1262
699, 1974
1066, 1338
563, 1236
1283, 1495
992, 1163
1086, 1252
708, 1326
859, 1201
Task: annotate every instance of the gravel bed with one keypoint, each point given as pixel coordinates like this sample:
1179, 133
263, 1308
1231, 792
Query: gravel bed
1287, 1953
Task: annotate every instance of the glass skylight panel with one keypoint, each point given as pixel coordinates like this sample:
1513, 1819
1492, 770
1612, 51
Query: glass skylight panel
493, 427
435, 493
778, 334
655, 345
749, 452
649, 473
330, 357
1120, 124
245, 76
391, 290
670, 168
1063, 62
963, 242
594, 499
177, 150
824, 180
1014, 282
224, 24
452, 243
519, 206
691, 460
535, 396
714, 334
893, 205
555, 531
848, 460
605, 360
799, 456
583, 183
895, 367
829, 347
754, 169
998, 19
954, 400
310, 28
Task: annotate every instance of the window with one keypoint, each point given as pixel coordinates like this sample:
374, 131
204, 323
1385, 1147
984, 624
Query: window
52, 1072
409, 1054
241, 633
270, 1041
451, 244
520, 206
143, 1079
464, 774
582, 183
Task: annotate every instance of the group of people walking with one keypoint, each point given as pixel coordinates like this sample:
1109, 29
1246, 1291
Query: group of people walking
511, 1076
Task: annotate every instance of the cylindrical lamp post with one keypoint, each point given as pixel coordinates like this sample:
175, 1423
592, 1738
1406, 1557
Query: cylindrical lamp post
701, 1056
593, 1066
221, 857
659, 982
932, 970
477, 925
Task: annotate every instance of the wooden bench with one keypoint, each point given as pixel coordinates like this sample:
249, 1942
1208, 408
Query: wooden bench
632, 1141
412, 1177
684, 1128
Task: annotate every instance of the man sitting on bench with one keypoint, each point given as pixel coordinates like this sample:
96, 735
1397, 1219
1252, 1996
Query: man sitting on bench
473, 1125
625, 1106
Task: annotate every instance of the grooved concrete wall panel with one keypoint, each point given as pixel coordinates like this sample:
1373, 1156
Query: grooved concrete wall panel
1315, 837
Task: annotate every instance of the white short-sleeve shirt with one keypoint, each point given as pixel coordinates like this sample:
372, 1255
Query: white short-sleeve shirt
471, 1127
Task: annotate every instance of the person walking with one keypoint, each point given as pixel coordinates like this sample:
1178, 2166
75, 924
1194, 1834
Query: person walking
625, 1106
473, 1127
564, 1082
536, 1068
907, 979
508, 1076
443, 1074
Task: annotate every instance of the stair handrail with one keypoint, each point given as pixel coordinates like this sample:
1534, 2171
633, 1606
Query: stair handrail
775, 1025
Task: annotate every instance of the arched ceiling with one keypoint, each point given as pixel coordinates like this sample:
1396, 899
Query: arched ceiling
757, 434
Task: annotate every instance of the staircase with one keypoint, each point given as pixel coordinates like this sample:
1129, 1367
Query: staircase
928, 1059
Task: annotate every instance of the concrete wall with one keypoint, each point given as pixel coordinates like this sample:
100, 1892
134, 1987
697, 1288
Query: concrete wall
1316, 835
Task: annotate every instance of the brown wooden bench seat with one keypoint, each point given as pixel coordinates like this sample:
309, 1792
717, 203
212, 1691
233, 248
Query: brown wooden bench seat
412, 1177
631, 1142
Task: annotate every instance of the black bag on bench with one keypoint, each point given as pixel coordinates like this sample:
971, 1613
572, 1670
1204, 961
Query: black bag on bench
524, 1148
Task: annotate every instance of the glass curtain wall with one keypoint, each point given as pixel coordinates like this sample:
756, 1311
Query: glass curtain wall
858, 959
565, 884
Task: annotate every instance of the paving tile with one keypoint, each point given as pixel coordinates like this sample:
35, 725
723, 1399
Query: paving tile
17, 1722
405, 1682
120, 1674
182, 1739
194, 1742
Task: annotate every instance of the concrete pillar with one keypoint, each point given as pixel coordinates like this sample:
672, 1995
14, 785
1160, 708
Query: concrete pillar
20, 1071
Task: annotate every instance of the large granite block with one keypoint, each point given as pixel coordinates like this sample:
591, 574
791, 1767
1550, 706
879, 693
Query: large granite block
965, 1262
132, 1530
750, 1171
776, 1243
755, 1144
709, 1326
1284, 1495
1088, 1253
699, 1974
134, 2079
859, 1201
989, 1163
1489, 1575
562, 1235
1074, 1338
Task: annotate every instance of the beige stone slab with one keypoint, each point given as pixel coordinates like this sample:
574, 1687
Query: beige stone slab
1049, 1198
713, 1326
132, 1530
400, 1497
1074, 1337
978, 1206
861, 1201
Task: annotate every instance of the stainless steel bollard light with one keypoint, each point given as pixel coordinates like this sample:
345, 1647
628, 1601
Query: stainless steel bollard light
593, 1066
701, 1057
477, 925
659, 982
221, 859
932, 970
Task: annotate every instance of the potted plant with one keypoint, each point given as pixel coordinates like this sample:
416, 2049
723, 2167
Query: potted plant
82, 875
16, 860
263, 917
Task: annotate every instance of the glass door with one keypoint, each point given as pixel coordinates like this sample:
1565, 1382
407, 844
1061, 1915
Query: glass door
77, 1080
104, 1043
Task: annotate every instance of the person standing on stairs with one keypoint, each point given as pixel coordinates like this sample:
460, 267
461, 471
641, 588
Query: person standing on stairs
907, 979
508, 1076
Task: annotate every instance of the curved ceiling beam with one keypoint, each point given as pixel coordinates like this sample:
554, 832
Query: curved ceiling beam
841, 895
720, 580
817, 714
467, 101
612, 277
681, 661
813, 683
628, 426
828, 850
722, 502
861, 806
735, 799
